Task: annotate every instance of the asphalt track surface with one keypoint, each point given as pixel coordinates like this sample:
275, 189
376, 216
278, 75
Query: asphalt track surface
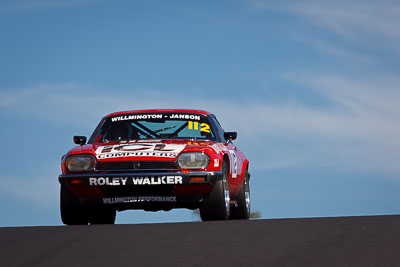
341, 241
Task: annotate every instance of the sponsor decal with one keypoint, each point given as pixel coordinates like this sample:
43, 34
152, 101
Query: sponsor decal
138, 199
108, 181
139, 150
234, 163
185, 117
137, 117
139, 180
197, 144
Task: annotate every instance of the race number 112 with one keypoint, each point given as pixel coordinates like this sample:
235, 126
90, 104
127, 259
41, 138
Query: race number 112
194, 125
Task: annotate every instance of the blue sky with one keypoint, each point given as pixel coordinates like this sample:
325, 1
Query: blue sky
312, 87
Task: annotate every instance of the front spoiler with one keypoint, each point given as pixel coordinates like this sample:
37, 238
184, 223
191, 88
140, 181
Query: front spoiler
139, 179
148, 191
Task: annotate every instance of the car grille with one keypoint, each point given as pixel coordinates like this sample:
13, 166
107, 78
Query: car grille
141, 166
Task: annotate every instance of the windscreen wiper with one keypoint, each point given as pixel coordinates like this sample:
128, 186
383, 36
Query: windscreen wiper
164, 129
150, 132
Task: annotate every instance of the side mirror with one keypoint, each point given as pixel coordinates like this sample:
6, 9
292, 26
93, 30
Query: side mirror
80, 140
230, 135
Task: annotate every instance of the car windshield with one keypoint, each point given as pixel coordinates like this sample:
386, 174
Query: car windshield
155, 126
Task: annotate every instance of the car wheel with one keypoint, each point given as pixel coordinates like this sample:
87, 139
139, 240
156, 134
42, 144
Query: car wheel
71, 212
216, 204
242, 208
102, 215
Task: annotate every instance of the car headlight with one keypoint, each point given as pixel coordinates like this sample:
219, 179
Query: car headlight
193, 160
80, 163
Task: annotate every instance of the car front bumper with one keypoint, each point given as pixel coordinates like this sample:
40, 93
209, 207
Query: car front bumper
149, 191
139, 179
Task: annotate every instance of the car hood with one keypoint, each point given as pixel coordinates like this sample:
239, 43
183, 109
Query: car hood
142, 149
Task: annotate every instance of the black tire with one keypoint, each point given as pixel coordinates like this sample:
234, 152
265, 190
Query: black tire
216, 204
241, 211
102, 215
71, 212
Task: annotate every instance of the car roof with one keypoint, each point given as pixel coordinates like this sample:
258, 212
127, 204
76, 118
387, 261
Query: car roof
197, 111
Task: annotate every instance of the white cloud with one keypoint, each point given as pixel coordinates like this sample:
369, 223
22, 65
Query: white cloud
369, 23
363, 121
359, 131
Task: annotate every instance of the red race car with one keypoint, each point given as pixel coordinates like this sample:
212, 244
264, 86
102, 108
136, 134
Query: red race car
154, 160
